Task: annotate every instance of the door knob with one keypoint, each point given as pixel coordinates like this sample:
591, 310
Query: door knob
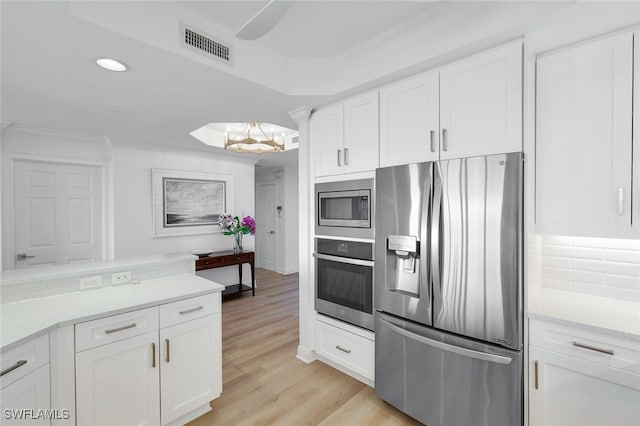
23, 256
272, 232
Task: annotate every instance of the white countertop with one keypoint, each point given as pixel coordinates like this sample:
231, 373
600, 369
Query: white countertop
602, 314
27, 318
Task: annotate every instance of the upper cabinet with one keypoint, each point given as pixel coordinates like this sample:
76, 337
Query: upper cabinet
481, 104
409, 121
345, 136
584, 139
472, 107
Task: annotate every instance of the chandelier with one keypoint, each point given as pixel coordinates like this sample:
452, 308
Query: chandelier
252, 138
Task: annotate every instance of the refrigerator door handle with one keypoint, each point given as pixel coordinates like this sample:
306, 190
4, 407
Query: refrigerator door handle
434, 250
447, 347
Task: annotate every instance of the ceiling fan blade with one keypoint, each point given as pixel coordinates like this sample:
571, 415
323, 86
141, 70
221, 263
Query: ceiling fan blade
263, 21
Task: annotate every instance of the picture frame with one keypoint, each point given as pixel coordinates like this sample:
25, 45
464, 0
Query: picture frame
189, 202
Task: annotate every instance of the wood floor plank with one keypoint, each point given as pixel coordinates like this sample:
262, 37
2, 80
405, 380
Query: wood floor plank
263, 381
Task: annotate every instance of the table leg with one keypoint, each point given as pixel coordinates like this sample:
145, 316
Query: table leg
253, 279
240, 275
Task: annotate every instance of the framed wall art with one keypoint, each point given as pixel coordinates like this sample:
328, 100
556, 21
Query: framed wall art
189, 203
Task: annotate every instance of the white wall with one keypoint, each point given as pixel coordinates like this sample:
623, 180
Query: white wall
286, 184
133, 204
128, 190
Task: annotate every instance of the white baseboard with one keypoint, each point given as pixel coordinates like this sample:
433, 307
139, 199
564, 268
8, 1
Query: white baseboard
306, 355
366, 380
287, 271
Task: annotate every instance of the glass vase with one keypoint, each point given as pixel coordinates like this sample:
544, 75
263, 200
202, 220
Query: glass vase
237, 247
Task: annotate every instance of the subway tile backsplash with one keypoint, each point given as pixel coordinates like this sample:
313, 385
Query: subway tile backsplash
597, 266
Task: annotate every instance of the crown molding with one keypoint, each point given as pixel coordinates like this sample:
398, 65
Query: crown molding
300, 114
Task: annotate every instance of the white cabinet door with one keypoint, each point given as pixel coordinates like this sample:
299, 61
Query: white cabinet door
30, 392
191, 360
361, 133
583, 139
327, 134
570, 391
118, 383
481, 104
409, 115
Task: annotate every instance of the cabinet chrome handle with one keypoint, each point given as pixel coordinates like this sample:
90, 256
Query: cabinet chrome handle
188, 311
445, 141
339, 161
126, 327
13, 367
167, 358
535, 375
432, 135
346, 156
153, 355
593, 348
340, 348
620, 201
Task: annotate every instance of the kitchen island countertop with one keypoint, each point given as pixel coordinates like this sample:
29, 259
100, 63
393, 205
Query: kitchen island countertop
20, 321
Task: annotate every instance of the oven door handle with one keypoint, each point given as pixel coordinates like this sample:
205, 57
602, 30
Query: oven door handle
348, 260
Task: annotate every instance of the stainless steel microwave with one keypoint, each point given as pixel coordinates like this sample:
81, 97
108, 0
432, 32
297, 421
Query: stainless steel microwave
345, 208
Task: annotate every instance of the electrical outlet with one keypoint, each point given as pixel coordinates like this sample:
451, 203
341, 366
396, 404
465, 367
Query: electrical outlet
121, 278
90, 282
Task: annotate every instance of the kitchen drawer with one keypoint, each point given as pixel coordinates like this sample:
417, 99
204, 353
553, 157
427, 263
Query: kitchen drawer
188, 309
604, 349
347, 349
18, 362
114, 328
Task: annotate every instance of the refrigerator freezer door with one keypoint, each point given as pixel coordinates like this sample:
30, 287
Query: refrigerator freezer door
402, 237
478, 279
441, 379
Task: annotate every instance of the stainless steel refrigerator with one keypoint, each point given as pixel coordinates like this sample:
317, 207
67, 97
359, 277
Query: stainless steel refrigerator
448, 290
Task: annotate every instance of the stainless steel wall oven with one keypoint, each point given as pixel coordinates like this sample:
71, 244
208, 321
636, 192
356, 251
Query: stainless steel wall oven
344, 281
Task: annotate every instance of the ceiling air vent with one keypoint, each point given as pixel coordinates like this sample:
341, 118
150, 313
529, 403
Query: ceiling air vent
205, 44
294, 140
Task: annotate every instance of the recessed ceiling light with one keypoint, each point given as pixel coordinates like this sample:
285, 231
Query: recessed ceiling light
111, 64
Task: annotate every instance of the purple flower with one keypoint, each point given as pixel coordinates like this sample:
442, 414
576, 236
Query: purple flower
250, 223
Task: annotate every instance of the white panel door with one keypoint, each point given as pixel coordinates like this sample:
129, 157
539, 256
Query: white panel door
191, 358
481, 104
409, 121
327, 135
571, 391
30, 392
57, 213
583, 139
266, 224
361, 133
118, 383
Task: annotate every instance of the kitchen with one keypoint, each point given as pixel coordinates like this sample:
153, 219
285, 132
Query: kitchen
571, 252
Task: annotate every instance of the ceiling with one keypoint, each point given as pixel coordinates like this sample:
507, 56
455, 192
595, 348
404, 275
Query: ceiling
317, 53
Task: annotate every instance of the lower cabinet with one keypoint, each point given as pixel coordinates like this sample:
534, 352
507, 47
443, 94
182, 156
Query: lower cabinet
162, 376
25, 384
350, 349
577, 377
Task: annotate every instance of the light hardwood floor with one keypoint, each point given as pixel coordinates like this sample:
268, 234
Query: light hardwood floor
264, 383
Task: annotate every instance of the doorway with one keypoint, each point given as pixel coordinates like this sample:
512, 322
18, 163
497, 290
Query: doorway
266, 234
58, 213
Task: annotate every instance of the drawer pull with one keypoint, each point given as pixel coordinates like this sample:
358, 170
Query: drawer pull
593, 348
13, 367
535, 377
153, 357
188, 311
115, 330
167, 359
340, 348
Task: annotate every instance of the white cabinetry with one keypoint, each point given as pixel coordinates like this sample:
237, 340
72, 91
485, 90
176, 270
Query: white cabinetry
582, 378
349, 348
469, 108
409, 121
345, 136
160, 365
584, 139
25, 384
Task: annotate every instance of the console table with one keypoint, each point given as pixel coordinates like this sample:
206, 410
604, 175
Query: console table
229, 258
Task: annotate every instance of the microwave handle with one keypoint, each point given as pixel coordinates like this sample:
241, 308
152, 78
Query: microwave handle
348, 260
